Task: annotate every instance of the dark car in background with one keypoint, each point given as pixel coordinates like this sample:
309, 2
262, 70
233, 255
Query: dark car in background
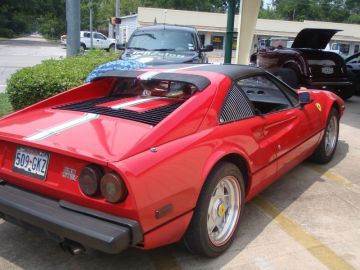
307, 64
165, 44
353, 66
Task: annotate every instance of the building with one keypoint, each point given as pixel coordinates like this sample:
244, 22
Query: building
212, 27
127, 26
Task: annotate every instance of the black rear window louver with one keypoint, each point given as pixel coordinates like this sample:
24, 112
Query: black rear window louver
236, 107
150, 117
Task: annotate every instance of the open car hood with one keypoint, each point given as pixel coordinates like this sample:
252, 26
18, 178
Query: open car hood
313, 38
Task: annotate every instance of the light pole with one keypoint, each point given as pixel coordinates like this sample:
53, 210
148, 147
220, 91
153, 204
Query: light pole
229, 31
117, 30
91, 24
73, 27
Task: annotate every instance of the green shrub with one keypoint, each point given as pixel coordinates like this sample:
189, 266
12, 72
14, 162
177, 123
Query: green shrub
32, 84
5, 106
6, 33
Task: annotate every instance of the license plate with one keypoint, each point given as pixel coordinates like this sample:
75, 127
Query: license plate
31, 162
327, 70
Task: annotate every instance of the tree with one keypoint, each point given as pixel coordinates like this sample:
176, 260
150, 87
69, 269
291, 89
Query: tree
16, 17
49, 17
347, 11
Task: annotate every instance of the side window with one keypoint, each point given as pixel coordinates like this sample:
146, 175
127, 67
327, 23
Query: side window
235, 107
265, 95
99, 36
290, 94
356, 48
87, 35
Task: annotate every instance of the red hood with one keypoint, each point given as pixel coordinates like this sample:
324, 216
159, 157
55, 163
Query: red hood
80, 134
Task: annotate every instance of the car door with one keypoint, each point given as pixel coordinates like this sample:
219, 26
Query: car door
289, 128
99, 41
86, 39
242, 127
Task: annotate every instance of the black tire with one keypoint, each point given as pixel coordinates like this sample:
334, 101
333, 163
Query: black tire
355, 79
357, 88
196, 238
320, 154
111, 48
288, 76
83, 46
346, 92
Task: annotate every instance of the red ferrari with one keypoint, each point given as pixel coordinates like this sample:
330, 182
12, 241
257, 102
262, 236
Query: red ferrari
149, 157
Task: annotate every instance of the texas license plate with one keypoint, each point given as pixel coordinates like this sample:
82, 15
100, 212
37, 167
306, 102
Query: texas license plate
31, 162
327, 70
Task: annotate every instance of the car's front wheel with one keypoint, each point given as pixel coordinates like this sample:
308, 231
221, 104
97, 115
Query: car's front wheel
111, 48
216, 216
326, 149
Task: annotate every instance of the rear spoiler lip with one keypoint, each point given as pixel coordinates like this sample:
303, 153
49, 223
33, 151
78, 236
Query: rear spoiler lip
200, 82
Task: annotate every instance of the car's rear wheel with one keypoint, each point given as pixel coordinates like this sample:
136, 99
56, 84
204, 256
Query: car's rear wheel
326, 149
355, 79
288, 76
346, 92
82, 47
217, 213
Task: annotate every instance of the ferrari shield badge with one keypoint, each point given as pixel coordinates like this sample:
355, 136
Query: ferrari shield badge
318, 106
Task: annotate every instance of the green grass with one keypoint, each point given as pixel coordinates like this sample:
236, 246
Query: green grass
5, 106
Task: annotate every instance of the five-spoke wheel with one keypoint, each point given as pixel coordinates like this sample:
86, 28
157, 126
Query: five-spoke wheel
217, 213
223, 212
326, 149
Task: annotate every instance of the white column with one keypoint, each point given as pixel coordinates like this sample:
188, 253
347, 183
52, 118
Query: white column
249, 11
207, 38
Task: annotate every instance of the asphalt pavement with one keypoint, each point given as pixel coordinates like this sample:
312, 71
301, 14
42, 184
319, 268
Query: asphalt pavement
24, 52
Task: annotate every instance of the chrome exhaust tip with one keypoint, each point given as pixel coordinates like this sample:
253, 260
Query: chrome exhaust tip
72, 247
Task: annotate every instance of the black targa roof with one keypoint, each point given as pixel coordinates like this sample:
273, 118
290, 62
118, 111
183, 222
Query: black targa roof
168, 72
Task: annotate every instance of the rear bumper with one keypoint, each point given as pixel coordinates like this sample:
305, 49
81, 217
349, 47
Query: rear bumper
330, 84
66, 221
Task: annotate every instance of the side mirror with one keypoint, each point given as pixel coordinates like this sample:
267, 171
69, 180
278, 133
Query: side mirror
208, 48
304, 98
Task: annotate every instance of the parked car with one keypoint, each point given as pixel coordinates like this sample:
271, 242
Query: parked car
99, 41
306, 64
165, 44
353, 66
148, 157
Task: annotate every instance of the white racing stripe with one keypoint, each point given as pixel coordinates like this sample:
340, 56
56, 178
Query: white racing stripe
134, 102
149, 75
57, 129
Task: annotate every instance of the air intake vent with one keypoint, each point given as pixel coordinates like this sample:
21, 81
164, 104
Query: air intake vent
151, 117
236, 107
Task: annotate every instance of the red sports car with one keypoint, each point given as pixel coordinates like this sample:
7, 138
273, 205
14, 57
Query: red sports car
146, 158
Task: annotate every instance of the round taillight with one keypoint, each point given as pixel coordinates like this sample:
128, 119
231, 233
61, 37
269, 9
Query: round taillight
89, 180
113, 188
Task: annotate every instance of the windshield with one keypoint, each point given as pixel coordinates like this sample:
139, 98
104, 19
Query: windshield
153, 88
162, 40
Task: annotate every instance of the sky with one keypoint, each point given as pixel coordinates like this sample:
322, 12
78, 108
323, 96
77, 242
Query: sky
267, 3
